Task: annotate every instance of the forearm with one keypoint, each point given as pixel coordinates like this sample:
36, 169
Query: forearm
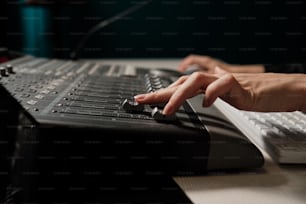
292, 91
286, 68
299, 88
256, 68
260, 68
274, 68
274, 91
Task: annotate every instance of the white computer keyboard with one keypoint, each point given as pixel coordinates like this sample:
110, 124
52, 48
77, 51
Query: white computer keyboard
282, 134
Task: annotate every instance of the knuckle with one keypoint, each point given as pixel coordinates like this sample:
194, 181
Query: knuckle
229, 78
197, 76
152, 95
190, 58
206, 59
182, 78
156, 94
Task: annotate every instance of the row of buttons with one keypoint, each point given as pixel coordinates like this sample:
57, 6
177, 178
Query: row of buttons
153, 83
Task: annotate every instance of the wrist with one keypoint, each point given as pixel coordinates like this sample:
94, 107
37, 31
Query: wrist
295, 90
246, 68
302, 92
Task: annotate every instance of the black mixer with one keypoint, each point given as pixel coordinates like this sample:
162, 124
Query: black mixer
75, 122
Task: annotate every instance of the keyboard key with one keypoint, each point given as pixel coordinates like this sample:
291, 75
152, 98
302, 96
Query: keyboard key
285, 131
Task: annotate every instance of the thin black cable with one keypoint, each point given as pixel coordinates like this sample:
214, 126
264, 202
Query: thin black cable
104, 23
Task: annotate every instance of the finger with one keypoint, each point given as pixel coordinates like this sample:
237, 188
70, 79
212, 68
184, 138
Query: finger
159, 96
181, 80
224, 86
194, 84
191, 60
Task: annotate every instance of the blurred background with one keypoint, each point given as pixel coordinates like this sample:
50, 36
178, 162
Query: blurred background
246, 31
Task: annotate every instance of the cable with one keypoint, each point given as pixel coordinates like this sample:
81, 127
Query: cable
104, 23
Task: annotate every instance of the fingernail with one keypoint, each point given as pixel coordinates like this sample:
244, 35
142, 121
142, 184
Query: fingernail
167, 110
140, 97
205, 102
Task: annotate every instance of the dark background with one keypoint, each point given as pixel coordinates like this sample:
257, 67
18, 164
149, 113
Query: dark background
236, 31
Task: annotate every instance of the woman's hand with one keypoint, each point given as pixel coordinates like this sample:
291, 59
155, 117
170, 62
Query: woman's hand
253, 92
208, 64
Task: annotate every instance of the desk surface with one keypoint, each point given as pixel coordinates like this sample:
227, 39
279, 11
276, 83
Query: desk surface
271, 184
274, 184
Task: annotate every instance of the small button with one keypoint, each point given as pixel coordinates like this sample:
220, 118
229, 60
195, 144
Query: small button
32, 91
44, 91
39, 96
31, 102
25, 95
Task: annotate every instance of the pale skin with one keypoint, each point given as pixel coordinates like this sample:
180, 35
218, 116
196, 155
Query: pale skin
266, 92
208, 65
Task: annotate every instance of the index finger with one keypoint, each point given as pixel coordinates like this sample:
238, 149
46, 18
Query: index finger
160, 96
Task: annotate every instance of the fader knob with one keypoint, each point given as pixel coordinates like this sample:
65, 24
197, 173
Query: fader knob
159, 116
2, 71
9, 69
132, 106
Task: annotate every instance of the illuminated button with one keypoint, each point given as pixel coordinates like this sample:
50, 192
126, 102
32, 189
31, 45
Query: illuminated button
39, 96
31, 102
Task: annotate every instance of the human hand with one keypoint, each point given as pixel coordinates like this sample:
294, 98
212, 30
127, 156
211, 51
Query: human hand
205, 63
208, 64
253, 92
